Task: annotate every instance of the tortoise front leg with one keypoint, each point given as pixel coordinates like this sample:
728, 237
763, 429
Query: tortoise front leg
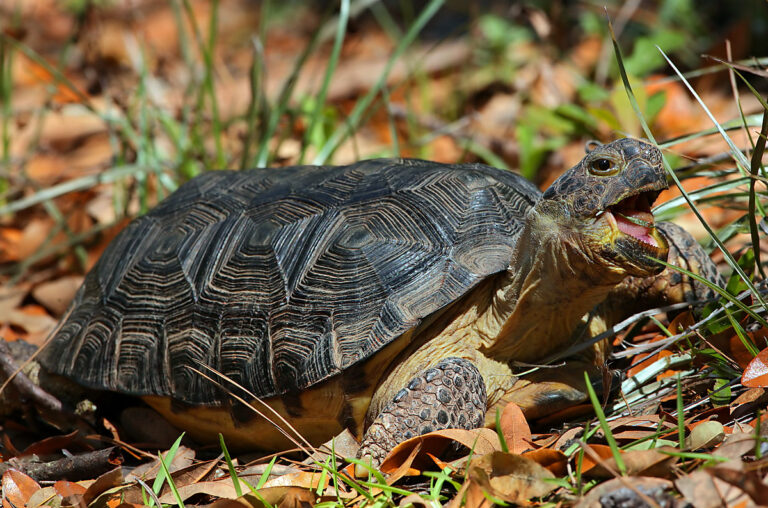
449, 395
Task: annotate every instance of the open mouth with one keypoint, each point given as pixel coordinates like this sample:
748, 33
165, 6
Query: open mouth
634, 218
634, 233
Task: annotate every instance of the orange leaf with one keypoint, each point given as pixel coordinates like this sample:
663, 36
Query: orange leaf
602, 451
515, 429
756, 373
71, 493
17, 488
481, 441
554, 460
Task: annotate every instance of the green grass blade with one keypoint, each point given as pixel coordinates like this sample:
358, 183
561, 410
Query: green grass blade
757, 157
333, 61
276, 112
230, 466
157, 485
256, 102
153, 499
360, 107
605, 427
502, 441
171, 483
82, 183
680, 415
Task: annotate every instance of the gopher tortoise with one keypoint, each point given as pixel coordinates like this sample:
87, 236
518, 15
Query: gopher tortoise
389, 297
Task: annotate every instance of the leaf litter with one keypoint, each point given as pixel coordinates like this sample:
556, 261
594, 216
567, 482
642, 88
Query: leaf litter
54, 137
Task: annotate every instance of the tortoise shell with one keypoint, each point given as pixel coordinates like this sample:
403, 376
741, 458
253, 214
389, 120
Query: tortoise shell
282, 278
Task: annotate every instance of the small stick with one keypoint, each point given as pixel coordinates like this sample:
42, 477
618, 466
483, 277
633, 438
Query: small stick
83, 466
24, 385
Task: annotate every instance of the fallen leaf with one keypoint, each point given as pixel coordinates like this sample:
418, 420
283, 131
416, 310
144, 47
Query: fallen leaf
344, 445
303, 479
698, 488
567, 438
70, 492
515, 429
756, 373
103, 483
736, 445
603, 452
58, 294
510, 477
651, 462
17, 488
42, 497
554, 460
705, 435
54, 444
480, 441
220, 488
748, 481
280, 497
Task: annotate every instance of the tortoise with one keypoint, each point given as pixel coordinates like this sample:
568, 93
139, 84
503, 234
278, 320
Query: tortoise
391, 297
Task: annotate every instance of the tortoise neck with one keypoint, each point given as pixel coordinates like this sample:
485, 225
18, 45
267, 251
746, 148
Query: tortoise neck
549, 286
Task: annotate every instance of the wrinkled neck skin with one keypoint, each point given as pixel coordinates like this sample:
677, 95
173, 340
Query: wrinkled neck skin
552, 282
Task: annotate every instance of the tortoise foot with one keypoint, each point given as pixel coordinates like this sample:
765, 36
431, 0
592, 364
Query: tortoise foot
449, 395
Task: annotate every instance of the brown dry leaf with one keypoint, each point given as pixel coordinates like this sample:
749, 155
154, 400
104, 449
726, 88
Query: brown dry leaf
103, 483
567, 437
10, 244
10, 297
70, 492
220, 488
55, 444
17, 488
515, 429
18, 247
554, 460
707, 491
41, 497
698, 488
736, 445
302, 479
751, 395
34, 319
280, 497
756, 373
510, 477
638, 463
58, 294
415, 500
749, 481
344, 444
480, 441
624, 492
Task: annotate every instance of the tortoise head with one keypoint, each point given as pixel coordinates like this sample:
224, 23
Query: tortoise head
603, 206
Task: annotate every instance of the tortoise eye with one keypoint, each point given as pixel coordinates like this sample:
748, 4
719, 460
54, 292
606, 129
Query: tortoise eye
602, 167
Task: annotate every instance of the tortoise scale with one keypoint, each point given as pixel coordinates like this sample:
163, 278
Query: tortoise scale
390, 297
